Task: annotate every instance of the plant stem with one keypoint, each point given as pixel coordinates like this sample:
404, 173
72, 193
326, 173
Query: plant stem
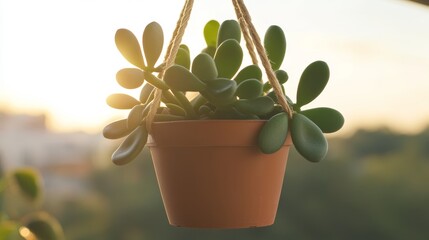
155, 81
184, 102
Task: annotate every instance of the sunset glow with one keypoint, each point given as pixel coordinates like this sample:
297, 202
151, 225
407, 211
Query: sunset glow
59, 57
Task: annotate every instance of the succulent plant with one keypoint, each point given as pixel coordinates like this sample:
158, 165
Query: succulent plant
223, 90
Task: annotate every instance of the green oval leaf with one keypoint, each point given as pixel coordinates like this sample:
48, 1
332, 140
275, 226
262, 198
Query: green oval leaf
229, 29
130, 78
121, 101
145, 93
275, 46
205, 110
257, 106
251, 71
210, 51
175, 109
198, 101
211, 30
135, 117
204, 67
308, 139
274, 133
313, 81
327, 119
131, 147
153, 40
282, 76
220, 92
129, 47
185, 47
248, 89
29, 182
228, 58
183, 58
44, 226
117, 129
168, 97
181, 79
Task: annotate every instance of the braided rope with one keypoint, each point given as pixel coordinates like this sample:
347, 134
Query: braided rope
244, 14
172, 49
245, 30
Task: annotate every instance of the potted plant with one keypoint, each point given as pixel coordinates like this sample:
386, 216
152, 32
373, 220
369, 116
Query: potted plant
220, 138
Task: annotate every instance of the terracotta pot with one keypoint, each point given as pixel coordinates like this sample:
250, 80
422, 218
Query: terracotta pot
212, 175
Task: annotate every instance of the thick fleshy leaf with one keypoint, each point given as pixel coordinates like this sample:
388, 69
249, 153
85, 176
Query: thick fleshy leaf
209, 50
258, 106
204, 67
327, 119
248, 89
131, 147
220, 92
185, 47
168, 97
153, 40
308, 139
121, 101
211, 30
229, 29
282, 76
313, 81
181, 79
275, 46
117, 129
274, 133
185, 104
44, 226
135, 117
198, 101
228, 58
145, 93
130, 78
175, 109
251, 71
205, 110
129, 47
183, 58
29, 183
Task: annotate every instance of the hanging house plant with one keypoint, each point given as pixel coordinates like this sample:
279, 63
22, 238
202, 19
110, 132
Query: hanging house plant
220, 155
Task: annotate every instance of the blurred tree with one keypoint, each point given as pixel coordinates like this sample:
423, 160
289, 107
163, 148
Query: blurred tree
372, 185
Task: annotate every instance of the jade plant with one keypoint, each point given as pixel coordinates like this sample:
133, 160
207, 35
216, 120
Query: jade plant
221, 88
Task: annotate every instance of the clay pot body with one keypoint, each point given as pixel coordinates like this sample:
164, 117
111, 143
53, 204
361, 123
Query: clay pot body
211, 173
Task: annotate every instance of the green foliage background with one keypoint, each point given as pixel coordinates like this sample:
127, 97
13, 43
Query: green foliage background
372, 185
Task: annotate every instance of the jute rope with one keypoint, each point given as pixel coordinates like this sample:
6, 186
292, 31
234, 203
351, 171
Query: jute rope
171, 52
245, 30
243, 13
252, 41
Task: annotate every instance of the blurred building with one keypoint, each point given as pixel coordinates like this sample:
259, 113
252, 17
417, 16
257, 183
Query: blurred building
64, 159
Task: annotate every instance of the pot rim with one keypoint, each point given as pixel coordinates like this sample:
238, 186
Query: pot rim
207, 133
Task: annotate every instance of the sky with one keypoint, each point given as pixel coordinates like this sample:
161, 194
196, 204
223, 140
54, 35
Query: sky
58, 57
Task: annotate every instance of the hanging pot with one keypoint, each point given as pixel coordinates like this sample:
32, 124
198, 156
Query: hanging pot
211, 173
